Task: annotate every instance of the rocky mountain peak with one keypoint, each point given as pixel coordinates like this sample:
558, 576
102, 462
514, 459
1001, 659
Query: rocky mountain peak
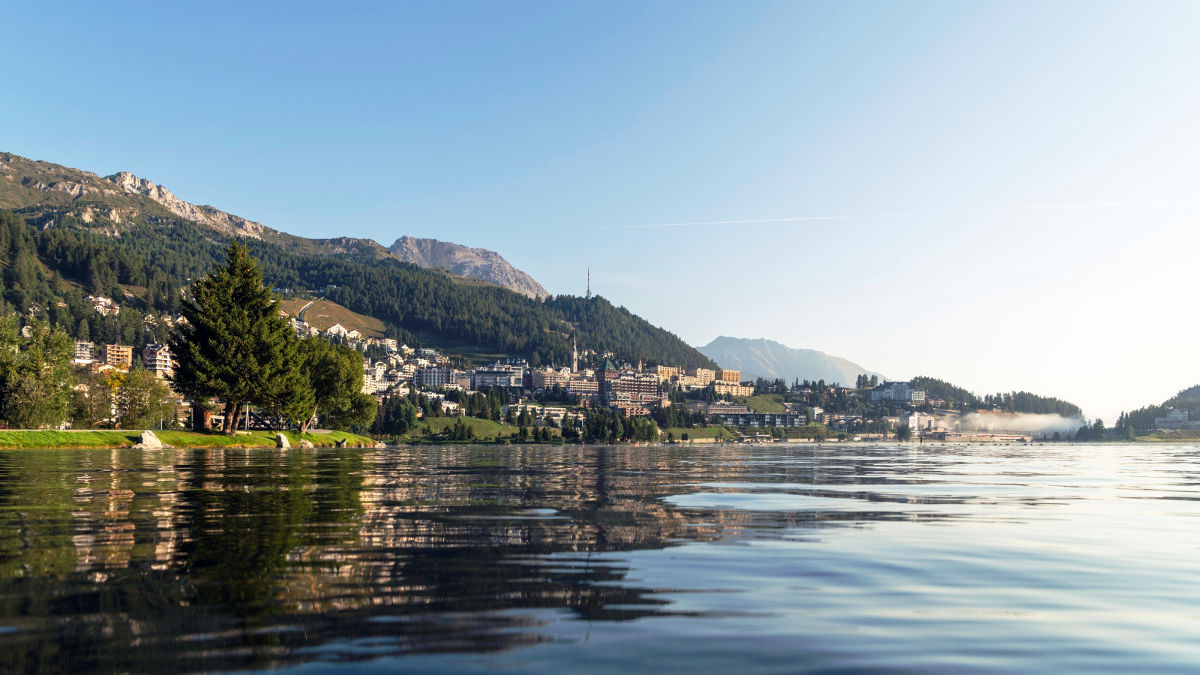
474, 263
219, 220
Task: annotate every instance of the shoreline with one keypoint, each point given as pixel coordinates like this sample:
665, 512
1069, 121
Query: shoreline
120, 439
117, 439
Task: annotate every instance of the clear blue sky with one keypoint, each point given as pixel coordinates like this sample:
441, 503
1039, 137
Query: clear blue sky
551, 131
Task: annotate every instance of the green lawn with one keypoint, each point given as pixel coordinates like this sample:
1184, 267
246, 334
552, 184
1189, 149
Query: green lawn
1171, 435
766, 403
484, 429
14, 440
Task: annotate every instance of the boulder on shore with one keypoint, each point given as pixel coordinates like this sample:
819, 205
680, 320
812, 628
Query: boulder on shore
305, 443
281, 441
149, 441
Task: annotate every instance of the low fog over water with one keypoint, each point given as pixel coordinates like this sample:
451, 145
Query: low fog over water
1017, 422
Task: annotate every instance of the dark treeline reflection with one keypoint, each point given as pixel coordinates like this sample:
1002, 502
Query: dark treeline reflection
211, 559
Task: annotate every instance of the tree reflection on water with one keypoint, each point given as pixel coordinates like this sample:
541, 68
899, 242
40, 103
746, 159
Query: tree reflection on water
215, 559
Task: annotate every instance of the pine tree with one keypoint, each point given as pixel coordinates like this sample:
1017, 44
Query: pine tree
233, 344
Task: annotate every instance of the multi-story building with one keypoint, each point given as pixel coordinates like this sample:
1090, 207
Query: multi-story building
433, 376
583, 387
498, 375
118, 356
730, 376
632, 386
667, 373
157, 359
462, 379
1176, 418
723, 408
761, 420
632, 409
732, 389
546, 378
703, 375
85, 352
898, 391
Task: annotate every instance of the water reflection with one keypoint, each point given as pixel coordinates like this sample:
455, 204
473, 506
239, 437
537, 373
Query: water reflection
220, 559
206, 559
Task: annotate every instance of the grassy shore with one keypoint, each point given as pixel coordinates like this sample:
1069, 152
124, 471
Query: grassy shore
43, 439
1170, 436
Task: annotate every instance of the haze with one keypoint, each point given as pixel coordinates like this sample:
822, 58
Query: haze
999, 195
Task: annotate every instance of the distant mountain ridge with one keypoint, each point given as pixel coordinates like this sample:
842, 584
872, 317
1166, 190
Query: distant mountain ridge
772, 360
473, 263
123, 197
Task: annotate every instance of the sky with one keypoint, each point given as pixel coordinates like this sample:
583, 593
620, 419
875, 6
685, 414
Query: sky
1003, 195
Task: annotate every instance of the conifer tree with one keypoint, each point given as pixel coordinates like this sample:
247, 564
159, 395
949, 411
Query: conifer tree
233, 344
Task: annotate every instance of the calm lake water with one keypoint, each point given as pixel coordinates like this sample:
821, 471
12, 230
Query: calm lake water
769, 559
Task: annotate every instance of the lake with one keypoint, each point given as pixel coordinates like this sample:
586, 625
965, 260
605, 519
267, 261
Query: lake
781, 558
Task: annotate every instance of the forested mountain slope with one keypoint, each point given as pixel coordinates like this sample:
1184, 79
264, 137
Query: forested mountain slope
48, 192
51, 262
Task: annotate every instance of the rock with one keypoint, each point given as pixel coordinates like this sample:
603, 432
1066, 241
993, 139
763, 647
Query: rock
305, 443
474, 263
149, 441
219, 220
381, 445
281, 441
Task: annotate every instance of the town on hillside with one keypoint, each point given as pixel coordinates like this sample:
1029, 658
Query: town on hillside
696, 405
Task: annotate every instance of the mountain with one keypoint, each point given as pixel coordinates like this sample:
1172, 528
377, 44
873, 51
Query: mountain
46, 193
67, 233
124, 197
473, 263
772, 360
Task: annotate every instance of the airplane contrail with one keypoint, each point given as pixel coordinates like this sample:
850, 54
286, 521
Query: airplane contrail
910, 214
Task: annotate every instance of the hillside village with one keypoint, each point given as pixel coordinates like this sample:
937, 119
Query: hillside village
558, 396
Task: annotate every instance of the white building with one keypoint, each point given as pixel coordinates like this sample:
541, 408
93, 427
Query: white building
85, 352
157, 359
898, 391
1176, 418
